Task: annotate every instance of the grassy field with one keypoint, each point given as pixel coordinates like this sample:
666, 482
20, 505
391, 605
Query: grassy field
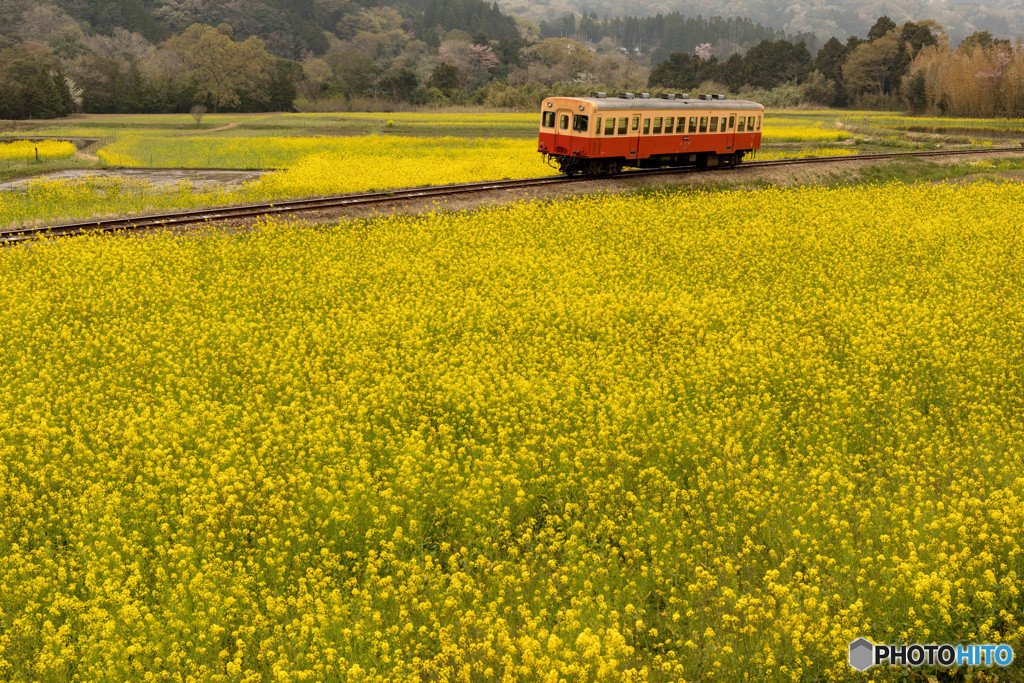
668, 436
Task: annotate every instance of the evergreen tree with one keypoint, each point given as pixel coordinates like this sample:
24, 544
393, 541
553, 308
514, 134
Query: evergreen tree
32, 85
882, 26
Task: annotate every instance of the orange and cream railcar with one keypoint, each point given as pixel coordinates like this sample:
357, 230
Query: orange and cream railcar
599, 135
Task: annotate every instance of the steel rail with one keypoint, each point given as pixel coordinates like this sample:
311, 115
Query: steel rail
403, 194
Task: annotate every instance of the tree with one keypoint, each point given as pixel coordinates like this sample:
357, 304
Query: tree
32, 85
982, 39
445, 78
222, 69
919, 35
869, 66
732, 73
120, 43
280, 91
400, 83
571, 56
680, 71
354, 71
106, 83
881, 27
47, 24
771, 63
917, 95
830, 58
316, 72
164, 85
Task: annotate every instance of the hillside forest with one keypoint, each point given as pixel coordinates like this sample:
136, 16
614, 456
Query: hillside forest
152, 56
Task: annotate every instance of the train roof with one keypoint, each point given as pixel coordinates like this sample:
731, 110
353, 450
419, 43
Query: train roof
617, 103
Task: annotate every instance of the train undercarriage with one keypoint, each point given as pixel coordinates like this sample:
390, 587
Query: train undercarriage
572, 165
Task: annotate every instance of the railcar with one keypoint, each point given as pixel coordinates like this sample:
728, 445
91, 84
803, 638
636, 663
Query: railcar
599, 135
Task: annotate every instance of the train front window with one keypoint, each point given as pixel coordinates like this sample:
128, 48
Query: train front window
657, 126
623, 125
703, 124
548, 120
609, 127
741, 129
693, 124
636, 123
669, 123
714, 124
580, 123
732, 121
647, 126
563, 122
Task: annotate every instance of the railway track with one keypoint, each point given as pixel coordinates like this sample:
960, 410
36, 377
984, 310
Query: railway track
435, 192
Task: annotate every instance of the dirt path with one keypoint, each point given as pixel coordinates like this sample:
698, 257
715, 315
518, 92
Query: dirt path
212, 130
157, 178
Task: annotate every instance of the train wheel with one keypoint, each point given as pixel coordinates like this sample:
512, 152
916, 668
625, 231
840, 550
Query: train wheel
567, 165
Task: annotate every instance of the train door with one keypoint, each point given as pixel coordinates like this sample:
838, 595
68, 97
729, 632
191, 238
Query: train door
730, 130
563, 131
689, 130
634, 136
644, 145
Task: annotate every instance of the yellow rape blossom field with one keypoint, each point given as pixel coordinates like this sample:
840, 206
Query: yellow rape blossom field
704, 436
312, 166
355, 154
309, 166
25, 150
311, 154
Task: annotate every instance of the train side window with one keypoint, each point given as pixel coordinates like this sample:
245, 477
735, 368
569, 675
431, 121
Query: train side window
693, 124
714, 124
750, 124
759, 123
563, 122
597, 127
669, 123
740, 128
581, 123
636, 123
623, 125
657, 126
609, 127
732, 121
703, 124
647, 126
548, 120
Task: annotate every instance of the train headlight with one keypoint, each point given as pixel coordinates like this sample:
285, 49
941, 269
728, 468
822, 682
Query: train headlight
581, 107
